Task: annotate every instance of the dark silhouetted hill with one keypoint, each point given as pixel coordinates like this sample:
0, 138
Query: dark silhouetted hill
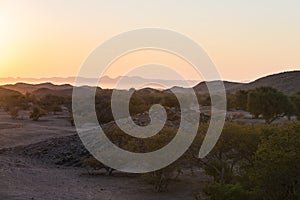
46, 91
7, 92
25, 87
286, 82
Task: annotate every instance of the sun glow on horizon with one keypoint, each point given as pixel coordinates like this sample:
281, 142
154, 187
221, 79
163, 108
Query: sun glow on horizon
4, 33
246, 40
7, 39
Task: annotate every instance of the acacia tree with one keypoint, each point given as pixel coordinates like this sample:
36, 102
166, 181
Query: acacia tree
233, 154
52, 103
240, 99
268, 102
12, 104
234, 150
296, 102
36, 113
276, 171
13, 101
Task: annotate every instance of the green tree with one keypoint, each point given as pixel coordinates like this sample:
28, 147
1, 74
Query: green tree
52, 103
36, 113
230, 98
295, 99
31, 98
230, 159
269, 103
204, 99
276, 171
170, 100
163, 177
137, 105
13, 101
240, 99
233, 152
227, 192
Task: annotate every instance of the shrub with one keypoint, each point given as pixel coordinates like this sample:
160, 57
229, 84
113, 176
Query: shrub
36, 113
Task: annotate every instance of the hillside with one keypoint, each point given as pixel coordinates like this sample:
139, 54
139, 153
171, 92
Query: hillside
7, 92
229, 86
45, 91
25, 87
286, 82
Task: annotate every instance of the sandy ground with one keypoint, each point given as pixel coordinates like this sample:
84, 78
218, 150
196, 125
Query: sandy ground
25, 131
25, 178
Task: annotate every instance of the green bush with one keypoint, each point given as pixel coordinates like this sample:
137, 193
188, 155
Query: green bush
36, 113
227, 192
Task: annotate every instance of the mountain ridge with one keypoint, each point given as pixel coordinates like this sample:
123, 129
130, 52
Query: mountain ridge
286, 82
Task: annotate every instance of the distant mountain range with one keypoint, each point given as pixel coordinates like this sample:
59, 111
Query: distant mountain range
126, 82
26, 87
286, 82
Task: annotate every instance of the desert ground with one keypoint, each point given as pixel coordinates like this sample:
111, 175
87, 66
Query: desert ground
27, 170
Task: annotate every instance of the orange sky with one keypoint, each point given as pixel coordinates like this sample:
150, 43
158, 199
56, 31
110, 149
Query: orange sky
53, 38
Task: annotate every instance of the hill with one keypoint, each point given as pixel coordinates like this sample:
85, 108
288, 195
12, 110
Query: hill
25, 87
45, 91
229, 86
286, 82
7, 92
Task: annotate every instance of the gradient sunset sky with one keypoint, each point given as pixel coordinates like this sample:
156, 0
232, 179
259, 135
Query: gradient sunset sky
245, 39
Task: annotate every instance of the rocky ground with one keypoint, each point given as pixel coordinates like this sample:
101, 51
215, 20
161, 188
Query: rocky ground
41, 160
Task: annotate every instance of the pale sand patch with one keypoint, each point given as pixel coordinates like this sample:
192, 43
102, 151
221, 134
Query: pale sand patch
25, 131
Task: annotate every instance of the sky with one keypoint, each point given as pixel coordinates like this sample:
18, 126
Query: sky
245, 39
